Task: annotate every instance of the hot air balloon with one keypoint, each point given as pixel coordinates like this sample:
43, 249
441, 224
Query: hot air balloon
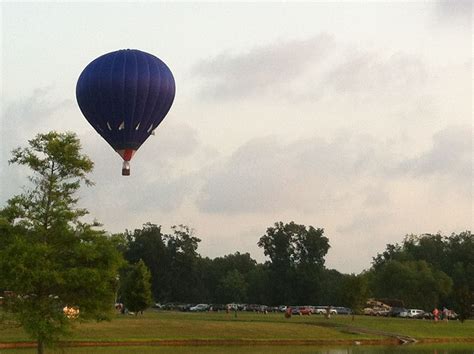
125, 95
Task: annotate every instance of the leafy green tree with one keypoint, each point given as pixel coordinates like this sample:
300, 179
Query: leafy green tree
331, 287
214, 270
416, 283
355, 291
452, 255
148, 244
183, 278
296, 255
48, 258
460, 257
135, 287
259, 288
232, 287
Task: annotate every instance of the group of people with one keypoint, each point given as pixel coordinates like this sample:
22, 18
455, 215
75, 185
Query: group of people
441, 315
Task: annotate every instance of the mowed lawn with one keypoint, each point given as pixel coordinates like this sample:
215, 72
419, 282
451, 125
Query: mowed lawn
163, 325
418, 329
159, 325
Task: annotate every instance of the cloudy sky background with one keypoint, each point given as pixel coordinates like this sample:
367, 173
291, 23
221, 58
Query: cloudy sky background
351, 116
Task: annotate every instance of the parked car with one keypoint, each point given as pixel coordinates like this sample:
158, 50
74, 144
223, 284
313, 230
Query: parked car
282, 308
451, 315
232, 307
295, 310
428, 316
412, 313
186, 307
252, 308
305, 311
382, 312
322, 310
319, 310
343, 310
217, 307
199, 308
273, 309
396, 311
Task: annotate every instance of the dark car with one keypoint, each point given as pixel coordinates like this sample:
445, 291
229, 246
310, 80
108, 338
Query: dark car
217, 307
396, 311
252, 308
428, 316
295, 310
186, 307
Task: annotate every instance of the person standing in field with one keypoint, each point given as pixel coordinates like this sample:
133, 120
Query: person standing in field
445, 314
436, 314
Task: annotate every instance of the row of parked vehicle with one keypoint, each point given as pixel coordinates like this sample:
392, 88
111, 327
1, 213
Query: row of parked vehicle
409, 313
295, 310
319, 310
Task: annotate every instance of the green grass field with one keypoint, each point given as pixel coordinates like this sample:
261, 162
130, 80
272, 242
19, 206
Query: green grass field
154, 325
418, 349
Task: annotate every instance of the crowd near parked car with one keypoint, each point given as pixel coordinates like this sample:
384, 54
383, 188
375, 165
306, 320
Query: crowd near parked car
379, 308
374, 308
258, 308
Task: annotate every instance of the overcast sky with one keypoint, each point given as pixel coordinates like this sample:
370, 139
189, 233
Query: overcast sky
355, 117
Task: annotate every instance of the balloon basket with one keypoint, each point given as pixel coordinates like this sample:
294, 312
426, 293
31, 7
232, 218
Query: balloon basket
126, 168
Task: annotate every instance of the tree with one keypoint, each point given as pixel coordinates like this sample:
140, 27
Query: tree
331, 285
460, 257
452, 255
48, 258
259, 290
147, 244
214, 271
416, 283
136, 288
232, 287
354, 291
296, 255
183, 277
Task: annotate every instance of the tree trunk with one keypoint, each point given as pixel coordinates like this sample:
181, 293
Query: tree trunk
40, 346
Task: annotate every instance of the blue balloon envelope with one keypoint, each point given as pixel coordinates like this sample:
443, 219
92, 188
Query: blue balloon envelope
125, 95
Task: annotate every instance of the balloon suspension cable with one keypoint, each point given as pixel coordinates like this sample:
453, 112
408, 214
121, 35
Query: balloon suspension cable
126, 168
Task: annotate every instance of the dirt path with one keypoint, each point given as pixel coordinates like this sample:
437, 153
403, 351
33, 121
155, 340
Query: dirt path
400, 337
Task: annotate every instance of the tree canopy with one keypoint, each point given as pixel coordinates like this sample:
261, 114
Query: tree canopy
49, 259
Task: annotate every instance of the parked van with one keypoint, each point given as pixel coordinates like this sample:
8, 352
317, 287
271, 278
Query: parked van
414, 313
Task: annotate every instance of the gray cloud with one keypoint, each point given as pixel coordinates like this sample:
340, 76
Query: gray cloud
21, 120
308, 70
161, 172
31, 114
370, 73
450, 154
266, 175
455, 10
264, 69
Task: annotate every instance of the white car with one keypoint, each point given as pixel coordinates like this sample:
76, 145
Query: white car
322, 310
199, 308
412, 313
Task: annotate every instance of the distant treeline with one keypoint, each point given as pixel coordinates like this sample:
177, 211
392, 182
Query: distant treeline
423, 272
